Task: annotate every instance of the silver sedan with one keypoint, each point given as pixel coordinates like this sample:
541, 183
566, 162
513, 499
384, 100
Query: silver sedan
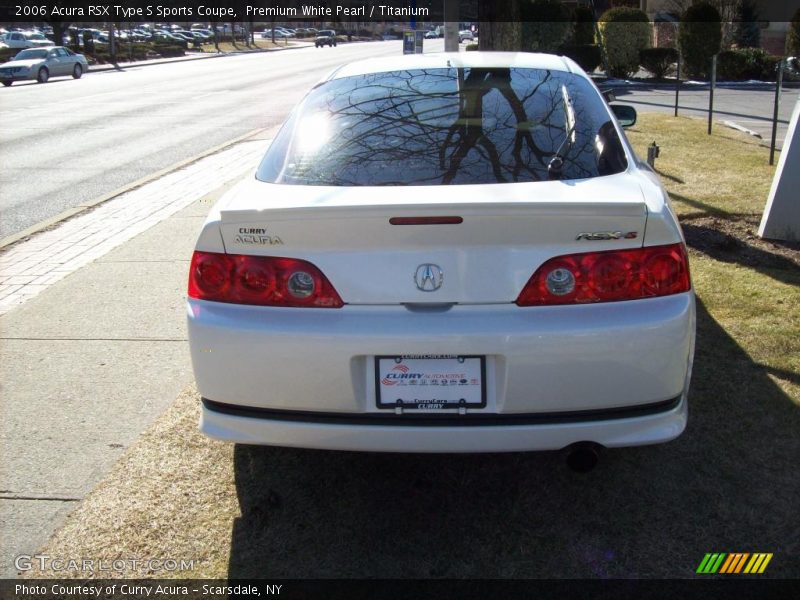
43, 63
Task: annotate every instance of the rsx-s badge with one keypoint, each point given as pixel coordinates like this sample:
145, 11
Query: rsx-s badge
607, 235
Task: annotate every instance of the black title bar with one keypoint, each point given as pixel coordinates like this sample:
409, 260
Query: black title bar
336, 11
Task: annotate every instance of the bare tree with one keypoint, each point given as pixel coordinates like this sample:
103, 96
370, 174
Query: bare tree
499, 26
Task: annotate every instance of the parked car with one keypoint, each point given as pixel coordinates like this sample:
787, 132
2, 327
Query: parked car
25, 39
43, 63
168, 38
205, 34
430, 35
279, 33
445, 253
791, 69
325, 37
465, 35
184, 36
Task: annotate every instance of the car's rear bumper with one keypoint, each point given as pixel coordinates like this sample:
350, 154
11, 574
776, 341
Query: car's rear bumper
653, 424
538, 360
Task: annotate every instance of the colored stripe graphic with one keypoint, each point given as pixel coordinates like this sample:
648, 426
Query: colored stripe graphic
735, 562
758, 563
711, 562
724, 563
727, 564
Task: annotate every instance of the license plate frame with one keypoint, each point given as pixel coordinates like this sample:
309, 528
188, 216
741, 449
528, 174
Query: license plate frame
428, 368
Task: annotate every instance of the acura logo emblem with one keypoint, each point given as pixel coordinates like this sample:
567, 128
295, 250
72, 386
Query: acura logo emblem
428, 277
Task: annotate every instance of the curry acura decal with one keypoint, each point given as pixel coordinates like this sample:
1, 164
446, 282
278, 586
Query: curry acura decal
401, 374
256, 236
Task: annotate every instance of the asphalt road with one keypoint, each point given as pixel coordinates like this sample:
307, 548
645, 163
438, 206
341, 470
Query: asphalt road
71, 141
748, 106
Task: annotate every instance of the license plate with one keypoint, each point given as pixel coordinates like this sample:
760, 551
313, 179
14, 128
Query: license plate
435, 382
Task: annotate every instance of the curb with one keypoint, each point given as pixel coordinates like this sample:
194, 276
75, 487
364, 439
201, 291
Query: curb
736, 126
86, 206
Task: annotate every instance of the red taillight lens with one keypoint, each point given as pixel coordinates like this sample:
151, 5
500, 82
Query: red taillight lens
609, 276
260, 280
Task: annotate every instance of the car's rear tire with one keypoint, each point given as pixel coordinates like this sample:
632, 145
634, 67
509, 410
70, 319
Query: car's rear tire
43, 75
7, 83
77, 71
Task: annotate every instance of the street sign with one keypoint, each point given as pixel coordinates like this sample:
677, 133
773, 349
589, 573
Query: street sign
412, 42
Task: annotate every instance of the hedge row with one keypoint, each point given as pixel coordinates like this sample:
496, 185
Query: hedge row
137, 51
624, 32
732, 65
658, 61
747, 63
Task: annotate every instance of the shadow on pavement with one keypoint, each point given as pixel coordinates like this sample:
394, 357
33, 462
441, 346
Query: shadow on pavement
729, 484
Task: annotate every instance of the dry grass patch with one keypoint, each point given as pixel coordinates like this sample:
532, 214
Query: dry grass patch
719, 185
724, 174
259, 44
171, 496
758, 309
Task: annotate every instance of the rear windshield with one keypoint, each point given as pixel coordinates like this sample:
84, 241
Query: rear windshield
446, 126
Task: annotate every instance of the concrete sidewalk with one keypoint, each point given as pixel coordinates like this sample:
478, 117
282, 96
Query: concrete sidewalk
91, 357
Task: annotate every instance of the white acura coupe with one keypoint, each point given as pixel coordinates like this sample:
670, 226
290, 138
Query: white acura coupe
445, 253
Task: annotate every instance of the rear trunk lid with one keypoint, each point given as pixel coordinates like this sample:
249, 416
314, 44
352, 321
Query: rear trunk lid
506, 232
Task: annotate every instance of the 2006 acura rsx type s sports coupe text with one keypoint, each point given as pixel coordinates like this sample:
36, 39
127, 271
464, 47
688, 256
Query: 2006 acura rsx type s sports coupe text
445, 253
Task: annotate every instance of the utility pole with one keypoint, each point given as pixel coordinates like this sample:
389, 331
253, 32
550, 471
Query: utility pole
112, 42
451, 42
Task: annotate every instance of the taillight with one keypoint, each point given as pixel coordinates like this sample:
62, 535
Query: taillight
609, 276
261, 280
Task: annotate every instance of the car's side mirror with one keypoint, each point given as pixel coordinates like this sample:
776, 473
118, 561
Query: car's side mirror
626, 115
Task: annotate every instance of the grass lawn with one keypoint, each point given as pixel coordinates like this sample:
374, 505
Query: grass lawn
240, 46
729, 484
719, 185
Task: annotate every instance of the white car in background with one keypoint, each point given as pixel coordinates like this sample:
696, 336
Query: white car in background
445, 253
25, 39
465, 36
279, 33
41, 64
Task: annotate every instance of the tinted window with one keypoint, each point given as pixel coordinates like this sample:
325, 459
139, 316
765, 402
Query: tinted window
446, 126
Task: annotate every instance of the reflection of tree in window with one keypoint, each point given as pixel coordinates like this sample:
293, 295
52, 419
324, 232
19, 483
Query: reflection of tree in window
445, 126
